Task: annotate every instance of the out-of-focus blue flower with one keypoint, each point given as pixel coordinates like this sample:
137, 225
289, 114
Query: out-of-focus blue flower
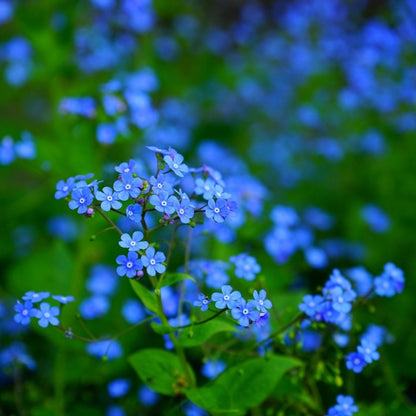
94, 307
245, 266
64, 227
102, 280
35, 297
376, 218
16, 353
106, 133
212, 368
63, 299
118, 387
147, 396
110, 349
133, 311
355, 362
390, 282
115, 410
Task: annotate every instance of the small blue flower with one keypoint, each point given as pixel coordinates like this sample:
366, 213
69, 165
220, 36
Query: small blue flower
310, 304
153, 260
81, 199
118, 387
35, 297
355, 362
212, 369
133, 311
174, 161
163, 202
147, 396
160, 185
94, 307
109, 199
245, 312
390, 282
245, 266
134, 212
217, 210
205, 187
345, 407
129, 265
106, 133
368, 350
133, 243
108, 348
47, 315
63, 189
184, 209
24, 312
226, 299
202, 302
262, 304
63, 299
127, 186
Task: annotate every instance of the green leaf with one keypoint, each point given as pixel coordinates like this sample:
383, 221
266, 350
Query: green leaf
243, 386
146, 296
161, 370
172, 278
198, 334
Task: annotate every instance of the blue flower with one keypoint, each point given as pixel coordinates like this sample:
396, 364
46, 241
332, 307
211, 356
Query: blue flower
129, 265
212, 369
390, 282
310, 304
133, 243
109, 199
108, 348
217, 210
345, 407
147, 396
174, 161
368, 350
152, 260
118, 387
202, 302
81, 199
246, 266
63, 299
245, 312
355, 362
261, 303
184, 209
163, 202
133, 311
106, 133
63, 189
127, 186
47, 315
102, 280
161, 185
226, 299
24, 312
134, 212
205, 187
35, 297
94, 307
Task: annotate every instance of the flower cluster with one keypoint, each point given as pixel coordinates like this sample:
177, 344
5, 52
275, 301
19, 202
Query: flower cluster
245, 312
366, 353
45, 313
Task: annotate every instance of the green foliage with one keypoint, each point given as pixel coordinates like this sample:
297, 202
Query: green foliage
146, 296
243, 386
161, 370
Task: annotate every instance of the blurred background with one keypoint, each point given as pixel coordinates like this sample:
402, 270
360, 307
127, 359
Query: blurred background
306, 107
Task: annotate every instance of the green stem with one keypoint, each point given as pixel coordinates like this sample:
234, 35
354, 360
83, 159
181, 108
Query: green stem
105, 216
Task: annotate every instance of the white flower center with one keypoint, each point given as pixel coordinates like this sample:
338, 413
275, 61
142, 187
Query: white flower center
127, 187
129, 264
357, 361
47, 315
216, 210
175, 166
245, 311
261, 302
109, 198
81, 200
159, 185
133, 243
65, 188
181, 211
153, 262
226, 297
25, 312
129, 213
163, 203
